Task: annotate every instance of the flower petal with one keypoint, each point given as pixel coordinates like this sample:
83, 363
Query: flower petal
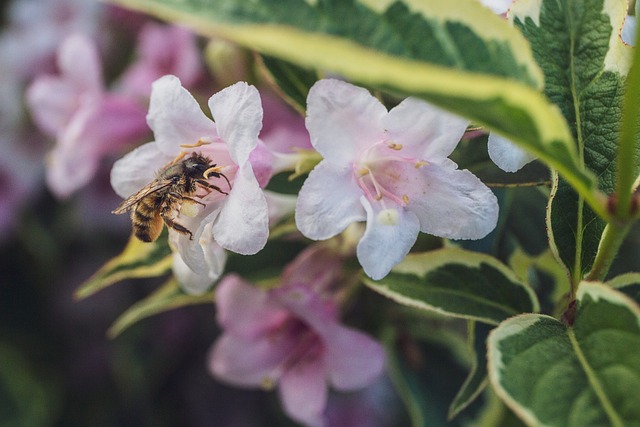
137, 169
451, 203
78, 49
246, 361
342, 119
507, 155
328, 202
389, 236
243, 223
237, 111
52, 102
303, 391
190, 281
424, 130
246, 310
175, 116
354, 360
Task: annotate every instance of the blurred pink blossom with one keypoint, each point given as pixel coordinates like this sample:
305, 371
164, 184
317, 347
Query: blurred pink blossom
290, 337
87, 122
162, 49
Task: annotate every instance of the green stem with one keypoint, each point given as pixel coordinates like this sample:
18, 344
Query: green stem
612, 239
629, 129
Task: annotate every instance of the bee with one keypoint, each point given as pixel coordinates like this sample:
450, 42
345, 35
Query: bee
162, 200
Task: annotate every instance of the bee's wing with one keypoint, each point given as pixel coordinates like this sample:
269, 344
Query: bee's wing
131, 201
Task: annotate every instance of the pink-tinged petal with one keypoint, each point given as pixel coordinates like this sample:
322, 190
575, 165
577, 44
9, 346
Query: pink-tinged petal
328, 202
354, 360
423, 130
318, 267
78, 49
243, 223
306, 304
452, 203
191, 250
137, 169
389, 236
262, 161
506, 155
499, 7
175, 116
244, 309
52, 102
163, 49
237, 111
248, 362
343, 119
303, 392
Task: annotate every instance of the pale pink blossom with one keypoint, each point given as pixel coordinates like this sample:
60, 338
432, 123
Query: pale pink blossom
290, 337
87, 122
390, 169
237, 221
161, 50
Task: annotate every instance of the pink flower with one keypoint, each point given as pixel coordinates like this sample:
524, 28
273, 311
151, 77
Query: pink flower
290, 337
87, 122
163, 49
390, 169
237, 221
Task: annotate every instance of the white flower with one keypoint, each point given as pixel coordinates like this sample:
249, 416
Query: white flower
237, 221
391, 170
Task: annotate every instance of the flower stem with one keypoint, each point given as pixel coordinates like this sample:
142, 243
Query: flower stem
612, 239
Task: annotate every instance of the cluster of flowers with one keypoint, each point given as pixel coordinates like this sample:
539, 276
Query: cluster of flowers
386, 169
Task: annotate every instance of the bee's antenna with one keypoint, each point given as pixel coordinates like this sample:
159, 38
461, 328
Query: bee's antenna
216, 170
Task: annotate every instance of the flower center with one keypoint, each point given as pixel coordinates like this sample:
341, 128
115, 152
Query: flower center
379, 173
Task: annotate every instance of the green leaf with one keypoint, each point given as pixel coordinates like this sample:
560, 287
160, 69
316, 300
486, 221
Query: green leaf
585, 63
291, 81
472, 63
168, 297
586, 374
457, 283
138, 259
628, 284
477, 379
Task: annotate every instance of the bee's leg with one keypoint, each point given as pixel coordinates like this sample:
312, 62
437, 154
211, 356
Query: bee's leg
168, 215
209, 187
215, 171
191, 199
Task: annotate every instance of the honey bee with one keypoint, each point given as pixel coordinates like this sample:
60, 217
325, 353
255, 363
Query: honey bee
162, 200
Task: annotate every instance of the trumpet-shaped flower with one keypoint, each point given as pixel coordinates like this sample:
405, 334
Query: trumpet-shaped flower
237, 221
87, 122
390, 169
290, 337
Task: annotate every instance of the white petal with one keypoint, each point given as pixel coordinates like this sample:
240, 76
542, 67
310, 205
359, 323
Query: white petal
243, 223
190, 281
507, 155
237, 111
137, 169
629, 29
175, 116
280, 206
424, 130
389, 236
452, 203
328, 202
342, 119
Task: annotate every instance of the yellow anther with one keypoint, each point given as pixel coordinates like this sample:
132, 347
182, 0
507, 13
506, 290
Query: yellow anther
267, 383
405, 199
420, 164
394, 146
362, 172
